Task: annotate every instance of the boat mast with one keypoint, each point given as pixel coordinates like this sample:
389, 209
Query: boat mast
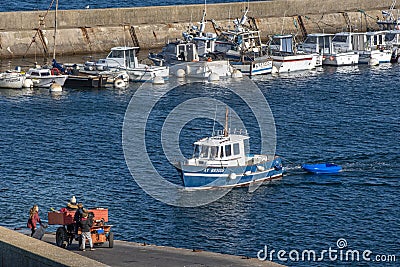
226, 123
55, 30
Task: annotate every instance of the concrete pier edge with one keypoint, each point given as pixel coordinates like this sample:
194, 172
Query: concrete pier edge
19, 250
97, 30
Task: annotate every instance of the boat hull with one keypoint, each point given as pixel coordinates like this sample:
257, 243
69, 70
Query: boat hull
379, 56
256, 67
12, 81
46, 82
292, 63
203, 177
341, 59
147, 74
203, 69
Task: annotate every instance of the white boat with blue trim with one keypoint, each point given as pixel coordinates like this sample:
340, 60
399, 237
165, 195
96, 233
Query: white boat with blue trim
220, 161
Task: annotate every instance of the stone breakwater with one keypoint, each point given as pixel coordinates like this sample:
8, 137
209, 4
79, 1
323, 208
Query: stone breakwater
97, 30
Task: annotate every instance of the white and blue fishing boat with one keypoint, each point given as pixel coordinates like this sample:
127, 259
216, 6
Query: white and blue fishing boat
220, 161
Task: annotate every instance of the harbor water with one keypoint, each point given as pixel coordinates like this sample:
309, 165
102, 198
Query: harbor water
56, 146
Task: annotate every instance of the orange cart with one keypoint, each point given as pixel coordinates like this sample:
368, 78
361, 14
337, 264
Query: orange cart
100, 231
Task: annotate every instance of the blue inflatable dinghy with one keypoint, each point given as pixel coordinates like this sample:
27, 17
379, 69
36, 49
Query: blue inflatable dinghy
322, 168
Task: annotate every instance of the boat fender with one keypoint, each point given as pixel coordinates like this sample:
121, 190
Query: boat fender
260, 168
232, 176
247, 173
158, 80
119, 83
277, 166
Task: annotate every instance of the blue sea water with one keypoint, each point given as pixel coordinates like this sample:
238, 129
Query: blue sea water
7, 5
56, 146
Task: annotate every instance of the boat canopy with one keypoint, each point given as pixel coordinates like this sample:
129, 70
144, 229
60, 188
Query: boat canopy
220, 147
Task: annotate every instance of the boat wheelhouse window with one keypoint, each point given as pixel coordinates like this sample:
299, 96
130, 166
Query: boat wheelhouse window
221, 152
204, 151
311, 40
214, 152
228, 151
116, 54
196, 152
340, 38
236, 149
380, 39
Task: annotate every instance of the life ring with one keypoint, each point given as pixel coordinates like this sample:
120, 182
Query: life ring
55, 71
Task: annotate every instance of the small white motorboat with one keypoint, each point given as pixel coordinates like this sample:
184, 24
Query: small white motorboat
12, 80
46, 77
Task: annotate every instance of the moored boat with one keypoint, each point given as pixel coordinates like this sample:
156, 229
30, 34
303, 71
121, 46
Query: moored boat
12, 80
286, 58
123, 58
342, 52
46, 77
220, 161
374, 50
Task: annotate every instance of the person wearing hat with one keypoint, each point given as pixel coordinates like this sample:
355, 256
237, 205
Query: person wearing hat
72, 204
78, 217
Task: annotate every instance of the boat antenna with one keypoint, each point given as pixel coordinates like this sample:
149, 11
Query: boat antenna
215, 118
226, 122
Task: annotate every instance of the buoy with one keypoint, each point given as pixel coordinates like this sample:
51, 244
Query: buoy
213, 77
119, 83
373, 62
55, 87
28, 83
237, 74
232, 176
158, 80
180, 73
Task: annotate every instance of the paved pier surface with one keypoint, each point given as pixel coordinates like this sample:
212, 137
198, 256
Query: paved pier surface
131, 254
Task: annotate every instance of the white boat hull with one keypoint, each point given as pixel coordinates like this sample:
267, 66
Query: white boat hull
147, 74
12, 80
379, 56
203, 69
259, 66
292, 63
341, 59
46, 82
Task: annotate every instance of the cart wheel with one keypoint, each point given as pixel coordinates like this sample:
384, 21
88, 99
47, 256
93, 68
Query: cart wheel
61, 237
110, 239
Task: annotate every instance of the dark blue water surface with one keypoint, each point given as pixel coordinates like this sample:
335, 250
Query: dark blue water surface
56, 146
7, 5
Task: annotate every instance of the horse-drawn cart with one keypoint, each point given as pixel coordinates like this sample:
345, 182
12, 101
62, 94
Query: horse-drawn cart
65, 234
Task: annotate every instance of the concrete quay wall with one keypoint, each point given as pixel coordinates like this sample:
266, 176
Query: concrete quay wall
97, 30
19, 250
